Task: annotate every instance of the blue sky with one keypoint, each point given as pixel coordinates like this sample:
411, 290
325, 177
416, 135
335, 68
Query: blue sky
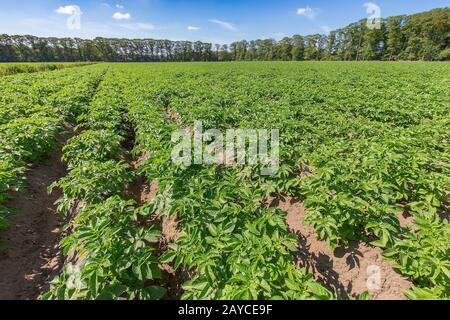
213, 21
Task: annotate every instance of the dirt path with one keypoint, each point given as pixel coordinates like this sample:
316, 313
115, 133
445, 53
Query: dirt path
32, 256
143, 192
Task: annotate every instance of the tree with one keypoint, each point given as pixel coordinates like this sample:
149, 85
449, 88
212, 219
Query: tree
422, 36
298, 48
395, 42
285, 52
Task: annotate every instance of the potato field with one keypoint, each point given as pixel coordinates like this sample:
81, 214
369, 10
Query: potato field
364, 173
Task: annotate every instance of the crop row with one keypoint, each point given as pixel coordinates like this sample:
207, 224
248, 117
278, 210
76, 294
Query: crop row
30, 122
358, 157
15, 68
109, 248
360, 145
235, 248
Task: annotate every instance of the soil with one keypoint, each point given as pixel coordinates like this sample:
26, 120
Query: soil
173, 116
346, 271
32, 256
445, 212
170, 229
173, 279
406, 220
140, 191
143, 192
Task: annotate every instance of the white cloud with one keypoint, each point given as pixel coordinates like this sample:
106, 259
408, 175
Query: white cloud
69, 10
119, 6
106, 5
121, 16
224, 24
138, 26
192, 28
308, 12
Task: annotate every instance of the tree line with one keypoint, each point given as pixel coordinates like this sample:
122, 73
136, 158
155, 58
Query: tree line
422, 36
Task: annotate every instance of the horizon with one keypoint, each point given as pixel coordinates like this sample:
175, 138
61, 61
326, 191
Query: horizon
206, 21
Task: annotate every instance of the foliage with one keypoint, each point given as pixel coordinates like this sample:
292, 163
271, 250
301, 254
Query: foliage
119, 259
423, 255
421, 36
354, 176
15, 68
116, 250
360, 144
31, 121
92, 181
92, 145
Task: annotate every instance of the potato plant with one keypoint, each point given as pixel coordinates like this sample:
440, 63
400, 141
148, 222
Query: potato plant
360, 144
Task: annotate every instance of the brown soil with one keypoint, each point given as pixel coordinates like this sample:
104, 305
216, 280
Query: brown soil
140, 161
445, 212
140, 191
173, 279
143, 192
406, 220
170, 229
173, 116
32, 256
344, 270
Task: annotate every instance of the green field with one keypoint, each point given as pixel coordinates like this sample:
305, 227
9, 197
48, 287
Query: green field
7, 69
360, 144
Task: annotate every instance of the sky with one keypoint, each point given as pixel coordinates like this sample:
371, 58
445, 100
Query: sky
210, 21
